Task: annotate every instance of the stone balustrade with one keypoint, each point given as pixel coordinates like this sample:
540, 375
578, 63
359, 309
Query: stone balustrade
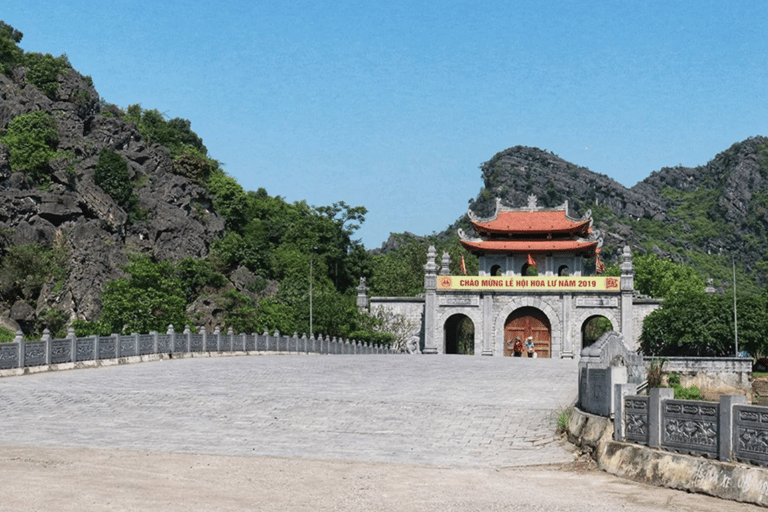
47, 351
728, 430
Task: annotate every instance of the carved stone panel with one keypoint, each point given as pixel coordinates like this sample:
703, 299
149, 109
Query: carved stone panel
9, 355
85, 349
750, 434
636, 419
196, 343
459, 300
61, 351
690, 427
597, 302
127, 346
164, 343
34, 353
107, 347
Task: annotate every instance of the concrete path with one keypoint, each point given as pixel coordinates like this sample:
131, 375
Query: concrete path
436, 410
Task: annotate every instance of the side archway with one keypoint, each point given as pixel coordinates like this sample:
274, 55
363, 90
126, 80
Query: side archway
459, 335
594, 327
581, 320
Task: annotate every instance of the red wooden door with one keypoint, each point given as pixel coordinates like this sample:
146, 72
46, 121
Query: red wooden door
527, 322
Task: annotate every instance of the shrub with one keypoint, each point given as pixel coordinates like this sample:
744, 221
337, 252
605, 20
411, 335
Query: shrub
43, 71
111, 174
26, 267
32, 139
6, 335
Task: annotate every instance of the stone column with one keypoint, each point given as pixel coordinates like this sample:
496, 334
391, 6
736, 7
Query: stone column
566, 344
725, 432
430, 301
362, 296
627, 294
486, 302
655, 403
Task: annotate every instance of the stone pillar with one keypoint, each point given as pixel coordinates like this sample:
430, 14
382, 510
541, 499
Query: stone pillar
188, 336
430, 301
627, 294
19, 338
727, 424
172, 333
445, 267
73, 343
362, 296
566, 344
486, 302
655, 403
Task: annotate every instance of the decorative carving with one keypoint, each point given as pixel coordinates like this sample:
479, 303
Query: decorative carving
691, 432
637, 425
532, 202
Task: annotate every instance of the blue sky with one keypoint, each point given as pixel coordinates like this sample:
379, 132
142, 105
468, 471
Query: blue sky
394, 105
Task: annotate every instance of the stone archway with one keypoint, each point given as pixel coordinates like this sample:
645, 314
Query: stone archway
593, 327
579, 322
528, 322
459, 335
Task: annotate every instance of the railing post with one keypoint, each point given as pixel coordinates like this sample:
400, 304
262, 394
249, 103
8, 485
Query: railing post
22, 347
188, 333
117, 345
727, 425
136, 342
172, 333
231, 336
72, 343
656, 400
48, 346
155, 342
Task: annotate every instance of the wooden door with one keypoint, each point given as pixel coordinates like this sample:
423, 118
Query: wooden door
528, 322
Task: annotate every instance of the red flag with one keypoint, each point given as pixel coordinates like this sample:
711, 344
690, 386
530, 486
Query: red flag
532, 262
599, 265
463, 266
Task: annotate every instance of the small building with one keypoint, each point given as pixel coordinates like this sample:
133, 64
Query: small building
531, 286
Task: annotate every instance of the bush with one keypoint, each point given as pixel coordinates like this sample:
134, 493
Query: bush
6, 335
32, 139
10, 54
111, 174
43, 71
26, 267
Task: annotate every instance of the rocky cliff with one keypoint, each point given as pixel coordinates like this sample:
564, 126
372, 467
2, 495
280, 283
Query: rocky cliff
73, 213
691, 214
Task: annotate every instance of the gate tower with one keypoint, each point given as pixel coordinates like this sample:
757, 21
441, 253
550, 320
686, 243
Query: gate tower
531, 283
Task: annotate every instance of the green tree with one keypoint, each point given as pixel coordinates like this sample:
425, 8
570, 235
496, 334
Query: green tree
10, 53
659, 278
32, 139
25, 268
43, 71
150, 300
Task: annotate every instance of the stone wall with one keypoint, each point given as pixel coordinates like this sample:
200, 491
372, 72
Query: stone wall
714, 376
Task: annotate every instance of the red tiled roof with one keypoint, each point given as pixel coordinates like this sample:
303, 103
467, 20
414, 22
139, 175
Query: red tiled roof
531, 246
538, 222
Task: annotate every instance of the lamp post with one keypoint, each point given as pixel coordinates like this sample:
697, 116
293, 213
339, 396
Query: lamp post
311, 262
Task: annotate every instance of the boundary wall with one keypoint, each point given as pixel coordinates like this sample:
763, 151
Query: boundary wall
21, 354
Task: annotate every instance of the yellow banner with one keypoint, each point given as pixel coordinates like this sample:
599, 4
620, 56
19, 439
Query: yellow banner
529, 284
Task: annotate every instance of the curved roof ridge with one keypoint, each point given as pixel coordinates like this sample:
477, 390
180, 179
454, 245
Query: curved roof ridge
532, 206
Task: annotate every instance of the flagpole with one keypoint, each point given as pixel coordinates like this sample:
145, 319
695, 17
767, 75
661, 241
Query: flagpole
735, 317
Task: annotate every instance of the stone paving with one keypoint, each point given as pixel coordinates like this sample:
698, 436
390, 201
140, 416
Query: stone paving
438, 410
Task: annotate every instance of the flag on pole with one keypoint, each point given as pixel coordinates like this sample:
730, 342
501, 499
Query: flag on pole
531, 261
463, 266
599, 265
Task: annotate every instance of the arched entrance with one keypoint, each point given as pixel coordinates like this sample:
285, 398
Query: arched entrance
459, 333
594, 327
528, 322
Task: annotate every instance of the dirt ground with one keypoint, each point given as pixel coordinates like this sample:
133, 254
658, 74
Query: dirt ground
64, 479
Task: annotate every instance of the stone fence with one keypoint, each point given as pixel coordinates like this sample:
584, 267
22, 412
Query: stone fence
728, 430
47, 351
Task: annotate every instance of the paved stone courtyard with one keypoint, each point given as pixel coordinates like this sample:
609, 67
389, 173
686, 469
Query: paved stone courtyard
435, 410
